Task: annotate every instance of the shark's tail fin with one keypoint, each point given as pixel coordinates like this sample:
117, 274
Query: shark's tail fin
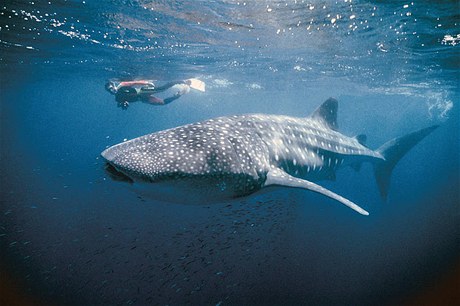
393, 151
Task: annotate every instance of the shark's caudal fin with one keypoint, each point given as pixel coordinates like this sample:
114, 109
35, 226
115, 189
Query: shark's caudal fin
393, 151
280, 178
327, 113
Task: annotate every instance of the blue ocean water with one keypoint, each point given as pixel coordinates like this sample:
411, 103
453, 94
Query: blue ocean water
70, 235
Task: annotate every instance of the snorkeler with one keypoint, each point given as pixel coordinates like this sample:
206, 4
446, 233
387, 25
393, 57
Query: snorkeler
144, 90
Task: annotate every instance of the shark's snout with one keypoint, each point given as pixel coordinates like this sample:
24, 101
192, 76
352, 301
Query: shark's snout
137, 159
113, 165
109, 154
116, 154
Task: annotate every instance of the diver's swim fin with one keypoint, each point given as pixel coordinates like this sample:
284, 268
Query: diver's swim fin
197, 84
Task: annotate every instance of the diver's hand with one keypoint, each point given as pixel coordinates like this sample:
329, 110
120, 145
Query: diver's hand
124, 105
111, 87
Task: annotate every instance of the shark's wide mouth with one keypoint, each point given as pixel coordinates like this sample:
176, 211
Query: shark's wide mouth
116, 175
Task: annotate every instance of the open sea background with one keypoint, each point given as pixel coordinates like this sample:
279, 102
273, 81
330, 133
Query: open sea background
69, 235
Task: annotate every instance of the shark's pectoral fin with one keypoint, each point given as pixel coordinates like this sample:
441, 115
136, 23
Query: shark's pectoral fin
280, 178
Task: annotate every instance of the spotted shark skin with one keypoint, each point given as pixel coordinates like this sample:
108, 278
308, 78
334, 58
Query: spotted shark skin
230, 157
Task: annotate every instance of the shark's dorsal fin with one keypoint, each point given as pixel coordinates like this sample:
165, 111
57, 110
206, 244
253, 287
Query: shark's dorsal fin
278, 177
361, 138
327, 113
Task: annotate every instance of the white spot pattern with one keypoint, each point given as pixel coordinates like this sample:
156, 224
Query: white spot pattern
238, 148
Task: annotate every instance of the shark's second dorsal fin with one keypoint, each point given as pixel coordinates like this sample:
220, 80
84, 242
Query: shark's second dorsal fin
327, 113
361, 138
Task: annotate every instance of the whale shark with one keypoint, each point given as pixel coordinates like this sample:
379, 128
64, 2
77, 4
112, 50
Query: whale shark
227, 158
